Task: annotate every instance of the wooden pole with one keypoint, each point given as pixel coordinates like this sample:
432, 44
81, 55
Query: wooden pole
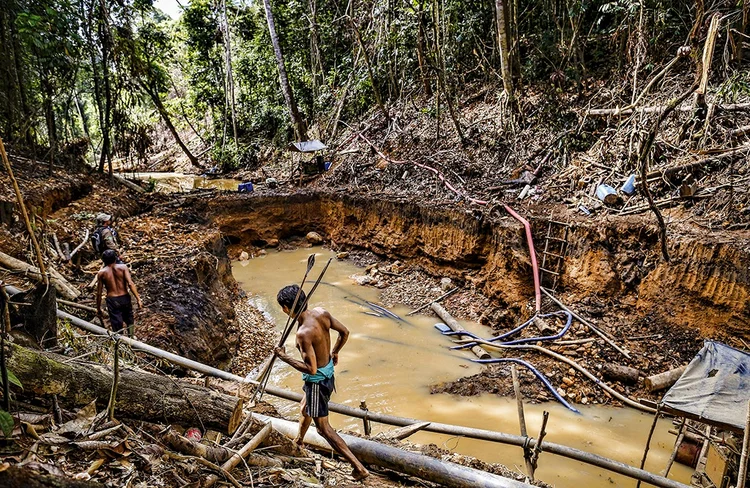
115, 381
742, 473
648, 441
25, 215
438, 299
521, 419
430, 469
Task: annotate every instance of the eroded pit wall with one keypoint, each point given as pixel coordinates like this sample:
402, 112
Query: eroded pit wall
706, 285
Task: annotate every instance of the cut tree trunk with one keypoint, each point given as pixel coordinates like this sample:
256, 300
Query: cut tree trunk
140, 396
40, 318
65, 289
623, 374
664, 380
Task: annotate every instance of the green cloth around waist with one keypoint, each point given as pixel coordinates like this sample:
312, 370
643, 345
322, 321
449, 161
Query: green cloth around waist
324, 373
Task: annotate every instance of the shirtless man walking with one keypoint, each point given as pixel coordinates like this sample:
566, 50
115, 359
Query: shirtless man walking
318, 359
115, 277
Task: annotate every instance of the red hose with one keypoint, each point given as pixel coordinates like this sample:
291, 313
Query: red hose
532, 253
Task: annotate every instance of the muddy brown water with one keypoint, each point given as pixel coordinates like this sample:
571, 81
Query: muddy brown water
180, 182
390, 364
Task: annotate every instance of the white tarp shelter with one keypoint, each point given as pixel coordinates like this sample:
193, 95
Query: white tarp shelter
715, 387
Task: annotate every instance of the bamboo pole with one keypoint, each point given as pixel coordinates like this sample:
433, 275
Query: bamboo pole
436, 427
115, 381
25, 215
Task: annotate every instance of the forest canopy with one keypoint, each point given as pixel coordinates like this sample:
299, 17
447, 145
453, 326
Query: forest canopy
102, 76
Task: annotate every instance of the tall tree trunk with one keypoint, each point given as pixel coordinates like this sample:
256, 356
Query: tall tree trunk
229, 72
370, 73
8, 77
21, 80
503, 25
106, 41
441, 73
316, 58
421, 52
165, 116
286, 89
49, 116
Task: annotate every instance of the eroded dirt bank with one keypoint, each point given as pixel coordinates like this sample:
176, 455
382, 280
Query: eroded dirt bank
610, 263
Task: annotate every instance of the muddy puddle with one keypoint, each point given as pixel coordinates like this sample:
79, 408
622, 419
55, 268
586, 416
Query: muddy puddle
180, 182
391, 363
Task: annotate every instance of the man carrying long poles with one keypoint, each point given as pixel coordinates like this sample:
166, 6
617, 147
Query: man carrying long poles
313, 341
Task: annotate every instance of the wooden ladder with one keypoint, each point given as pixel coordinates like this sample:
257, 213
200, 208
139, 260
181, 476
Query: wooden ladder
554, 253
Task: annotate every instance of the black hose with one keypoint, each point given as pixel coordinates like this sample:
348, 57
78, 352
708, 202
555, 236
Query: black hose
536, 372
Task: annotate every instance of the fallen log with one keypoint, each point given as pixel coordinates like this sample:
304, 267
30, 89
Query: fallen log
456, 327
623, 374
141, 395
15, 477
129, 184
424, 467
664, 380
65, 289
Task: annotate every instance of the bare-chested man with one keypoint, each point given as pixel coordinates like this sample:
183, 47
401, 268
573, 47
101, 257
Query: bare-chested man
318, 359
115, 277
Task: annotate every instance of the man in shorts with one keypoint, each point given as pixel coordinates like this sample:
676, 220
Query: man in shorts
115, 277
318, 359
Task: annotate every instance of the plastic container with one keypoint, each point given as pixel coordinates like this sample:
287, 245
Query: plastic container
629, 187
245, 187
607, 194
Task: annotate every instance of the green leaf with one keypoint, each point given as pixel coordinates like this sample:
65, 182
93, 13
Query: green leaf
12, 379
6, 423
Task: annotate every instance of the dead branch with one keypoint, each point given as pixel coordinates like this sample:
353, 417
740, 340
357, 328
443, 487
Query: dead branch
80, 246
642, 164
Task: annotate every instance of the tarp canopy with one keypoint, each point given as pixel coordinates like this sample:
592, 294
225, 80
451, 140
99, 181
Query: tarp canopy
308, 146
715, 387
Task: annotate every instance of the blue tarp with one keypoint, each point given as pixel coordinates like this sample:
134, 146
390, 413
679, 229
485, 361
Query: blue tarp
715, 387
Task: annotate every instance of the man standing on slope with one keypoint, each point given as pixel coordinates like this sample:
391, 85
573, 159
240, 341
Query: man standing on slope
318, 359
115, 277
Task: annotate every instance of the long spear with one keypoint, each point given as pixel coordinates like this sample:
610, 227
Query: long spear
291, 320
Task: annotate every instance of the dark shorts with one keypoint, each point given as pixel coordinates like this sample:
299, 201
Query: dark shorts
120, 310
317, 396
